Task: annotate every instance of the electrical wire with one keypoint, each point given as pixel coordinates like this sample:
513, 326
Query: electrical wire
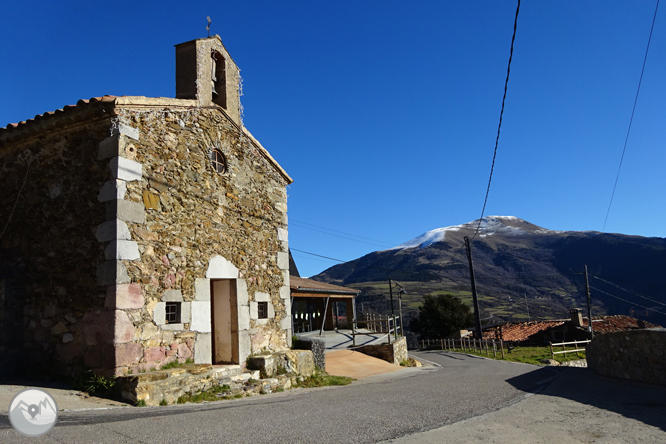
299, 223
632, 116
499, 127
628, 291
625, 300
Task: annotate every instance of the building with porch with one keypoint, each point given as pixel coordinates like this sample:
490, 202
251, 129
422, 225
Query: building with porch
320, 306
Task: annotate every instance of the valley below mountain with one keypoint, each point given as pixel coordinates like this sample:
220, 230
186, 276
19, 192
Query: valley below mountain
522, 272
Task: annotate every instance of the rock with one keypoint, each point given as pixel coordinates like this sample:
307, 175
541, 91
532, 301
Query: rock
550, 362
59, 328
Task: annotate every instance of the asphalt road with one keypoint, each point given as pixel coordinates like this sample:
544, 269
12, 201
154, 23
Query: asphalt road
371, 410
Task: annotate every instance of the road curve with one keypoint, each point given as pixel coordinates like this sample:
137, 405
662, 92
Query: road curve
370, 410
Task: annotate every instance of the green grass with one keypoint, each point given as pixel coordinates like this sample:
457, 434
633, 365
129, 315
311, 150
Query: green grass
91, 382
207, 395
176, 364
322, 379
528, 355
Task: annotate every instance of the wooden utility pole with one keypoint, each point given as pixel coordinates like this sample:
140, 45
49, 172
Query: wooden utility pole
589, 305
477, 315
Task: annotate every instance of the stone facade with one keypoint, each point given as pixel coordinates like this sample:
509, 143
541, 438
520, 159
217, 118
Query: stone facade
639, 355
117, 215
395, 353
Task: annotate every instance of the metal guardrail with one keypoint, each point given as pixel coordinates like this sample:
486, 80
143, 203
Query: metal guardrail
377, 324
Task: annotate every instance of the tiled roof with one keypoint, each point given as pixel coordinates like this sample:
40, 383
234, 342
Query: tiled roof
305, 285
66, 108
521, 331
610, 324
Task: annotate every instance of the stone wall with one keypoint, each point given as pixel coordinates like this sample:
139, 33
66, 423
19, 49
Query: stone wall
121, 212
639, 355
199, 225
395, 353
316, 346
51, 309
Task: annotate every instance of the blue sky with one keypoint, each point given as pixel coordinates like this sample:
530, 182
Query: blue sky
384, 112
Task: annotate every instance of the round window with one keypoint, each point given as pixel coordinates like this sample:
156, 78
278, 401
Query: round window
218, 161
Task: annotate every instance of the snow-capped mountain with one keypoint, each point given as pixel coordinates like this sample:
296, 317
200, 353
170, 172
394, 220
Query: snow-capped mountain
516, 260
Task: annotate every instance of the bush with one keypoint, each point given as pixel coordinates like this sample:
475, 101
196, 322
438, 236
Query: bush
92, 383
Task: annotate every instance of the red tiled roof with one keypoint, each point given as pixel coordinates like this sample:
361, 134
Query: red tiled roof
521, 331
610, 324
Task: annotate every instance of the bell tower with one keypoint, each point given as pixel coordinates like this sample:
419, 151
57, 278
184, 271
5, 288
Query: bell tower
206, 72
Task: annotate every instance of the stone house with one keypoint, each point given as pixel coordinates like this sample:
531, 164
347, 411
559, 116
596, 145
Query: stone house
138, 231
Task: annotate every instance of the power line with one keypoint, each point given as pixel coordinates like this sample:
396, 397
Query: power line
628, 291
299, 223
499, 127
625, 300
632, 116
340, 236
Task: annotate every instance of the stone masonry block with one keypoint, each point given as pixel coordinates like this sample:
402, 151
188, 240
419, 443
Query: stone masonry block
243, 317
126, 130
159, 313
128, 354
123, 328
202, 289
285, 292
203, 351
124, 297
112, 190
220, 268
271, 311
125, 210
113, 230
285, 323
254, 311
242, 296
125, 169
244, 345
122, 249
173, 327
283, 260
111, 147
172, 296
186, 312
112, 273
200, 313
260, 296
283, 234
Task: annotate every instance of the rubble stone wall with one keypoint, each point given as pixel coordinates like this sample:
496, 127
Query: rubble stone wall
639, 355
110, 221
198, 225
48, 253
395, 352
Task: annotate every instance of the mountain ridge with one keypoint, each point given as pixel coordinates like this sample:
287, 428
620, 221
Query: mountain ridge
514, 258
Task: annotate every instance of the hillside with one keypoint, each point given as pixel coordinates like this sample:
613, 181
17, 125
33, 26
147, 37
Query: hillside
518, 266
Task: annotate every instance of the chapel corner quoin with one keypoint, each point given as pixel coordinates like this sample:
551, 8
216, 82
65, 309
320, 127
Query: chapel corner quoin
142, 231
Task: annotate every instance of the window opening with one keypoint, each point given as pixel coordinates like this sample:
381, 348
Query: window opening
262, 310
218, 161
173, 312
218, 80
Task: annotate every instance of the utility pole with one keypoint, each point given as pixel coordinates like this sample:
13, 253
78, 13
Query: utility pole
477, 315
589, 305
